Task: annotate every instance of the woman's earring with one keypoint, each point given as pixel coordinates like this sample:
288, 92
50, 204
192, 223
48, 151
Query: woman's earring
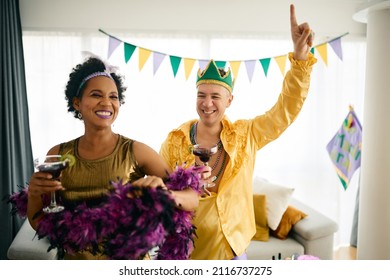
79, 115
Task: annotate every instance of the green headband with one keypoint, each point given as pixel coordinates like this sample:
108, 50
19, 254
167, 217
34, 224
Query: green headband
211, 75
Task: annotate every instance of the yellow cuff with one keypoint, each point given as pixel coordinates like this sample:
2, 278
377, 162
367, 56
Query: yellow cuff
309, 62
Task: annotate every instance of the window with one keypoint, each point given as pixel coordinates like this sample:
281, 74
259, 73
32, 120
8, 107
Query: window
158, 102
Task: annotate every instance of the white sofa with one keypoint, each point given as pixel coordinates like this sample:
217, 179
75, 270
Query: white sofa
27, 246
312, 235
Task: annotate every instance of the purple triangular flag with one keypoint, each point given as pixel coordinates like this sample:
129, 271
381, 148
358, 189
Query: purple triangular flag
203, 64
336, 46
157, 60
113, 43
250, 68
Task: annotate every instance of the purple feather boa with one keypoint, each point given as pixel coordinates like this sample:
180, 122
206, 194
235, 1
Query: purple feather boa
132, 221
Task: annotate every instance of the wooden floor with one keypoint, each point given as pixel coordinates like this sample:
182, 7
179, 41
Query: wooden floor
345, 253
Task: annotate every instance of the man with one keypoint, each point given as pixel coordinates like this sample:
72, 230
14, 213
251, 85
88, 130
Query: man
225, 218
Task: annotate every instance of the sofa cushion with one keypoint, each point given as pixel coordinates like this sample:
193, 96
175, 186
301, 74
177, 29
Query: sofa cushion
290, 217
260, 209
315, 226
277, 198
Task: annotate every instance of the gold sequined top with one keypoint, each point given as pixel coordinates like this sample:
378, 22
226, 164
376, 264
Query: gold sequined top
89, 180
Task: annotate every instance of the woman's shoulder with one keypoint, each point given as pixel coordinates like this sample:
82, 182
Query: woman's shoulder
124, 138
66, 147
125, 141
55, 150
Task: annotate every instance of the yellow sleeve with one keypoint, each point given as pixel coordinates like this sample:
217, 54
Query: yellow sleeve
295, 88
164, 152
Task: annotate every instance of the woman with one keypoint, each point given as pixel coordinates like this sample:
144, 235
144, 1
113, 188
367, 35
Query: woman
94, 94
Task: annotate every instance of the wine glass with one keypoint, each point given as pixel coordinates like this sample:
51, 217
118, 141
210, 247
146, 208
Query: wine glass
52, 164
204, 153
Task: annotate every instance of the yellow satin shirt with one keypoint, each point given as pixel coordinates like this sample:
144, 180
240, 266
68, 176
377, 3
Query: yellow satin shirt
225, 220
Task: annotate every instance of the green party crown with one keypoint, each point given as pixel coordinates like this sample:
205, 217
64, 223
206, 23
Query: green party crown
211, 75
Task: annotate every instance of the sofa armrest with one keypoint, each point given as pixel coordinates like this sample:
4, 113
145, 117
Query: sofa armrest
315, 225
27, 246
315, 232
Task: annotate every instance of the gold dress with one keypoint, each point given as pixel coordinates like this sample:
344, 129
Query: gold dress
89, 180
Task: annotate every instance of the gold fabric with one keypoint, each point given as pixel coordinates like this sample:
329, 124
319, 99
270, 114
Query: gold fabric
260, 210
89, 180
85, 255
225, 221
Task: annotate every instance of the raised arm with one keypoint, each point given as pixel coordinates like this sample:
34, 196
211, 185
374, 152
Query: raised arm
295, 88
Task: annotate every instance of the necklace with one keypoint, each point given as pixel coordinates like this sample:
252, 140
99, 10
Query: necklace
193, 136
222, 167
220, 151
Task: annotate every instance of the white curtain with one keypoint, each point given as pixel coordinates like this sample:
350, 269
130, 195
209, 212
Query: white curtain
157, 103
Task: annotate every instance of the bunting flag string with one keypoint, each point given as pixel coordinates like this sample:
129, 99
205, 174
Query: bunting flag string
188, 63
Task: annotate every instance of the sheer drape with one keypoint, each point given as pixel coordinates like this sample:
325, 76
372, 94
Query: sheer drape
16, 156
158, 102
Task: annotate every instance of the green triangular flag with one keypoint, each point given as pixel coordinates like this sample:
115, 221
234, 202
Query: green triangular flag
175, 62
220, 64
265, 64
129, 50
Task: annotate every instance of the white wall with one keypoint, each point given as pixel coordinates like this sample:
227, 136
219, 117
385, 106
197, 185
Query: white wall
327, 17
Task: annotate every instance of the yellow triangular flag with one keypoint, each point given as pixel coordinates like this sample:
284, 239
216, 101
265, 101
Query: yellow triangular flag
323, 51
235, 65
281, 61
143, 57
188, 65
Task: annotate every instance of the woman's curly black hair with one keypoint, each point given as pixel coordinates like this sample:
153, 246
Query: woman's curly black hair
79, 72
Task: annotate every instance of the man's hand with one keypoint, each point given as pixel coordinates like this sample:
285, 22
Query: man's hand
301, 35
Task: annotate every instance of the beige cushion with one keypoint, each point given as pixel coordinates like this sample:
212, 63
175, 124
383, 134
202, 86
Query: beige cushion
277, 198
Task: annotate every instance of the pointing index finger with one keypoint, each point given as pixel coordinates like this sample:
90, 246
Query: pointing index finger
293, 20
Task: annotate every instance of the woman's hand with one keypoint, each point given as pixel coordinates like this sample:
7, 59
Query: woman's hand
149, 181
186, 199
42, 183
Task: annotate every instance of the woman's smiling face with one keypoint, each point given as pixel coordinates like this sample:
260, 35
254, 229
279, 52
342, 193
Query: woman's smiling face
99, 103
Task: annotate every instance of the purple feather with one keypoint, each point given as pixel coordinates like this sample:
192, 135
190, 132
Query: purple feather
132, 221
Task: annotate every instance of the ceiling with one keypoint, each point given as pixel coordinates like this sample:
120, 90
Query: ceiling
327, 17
